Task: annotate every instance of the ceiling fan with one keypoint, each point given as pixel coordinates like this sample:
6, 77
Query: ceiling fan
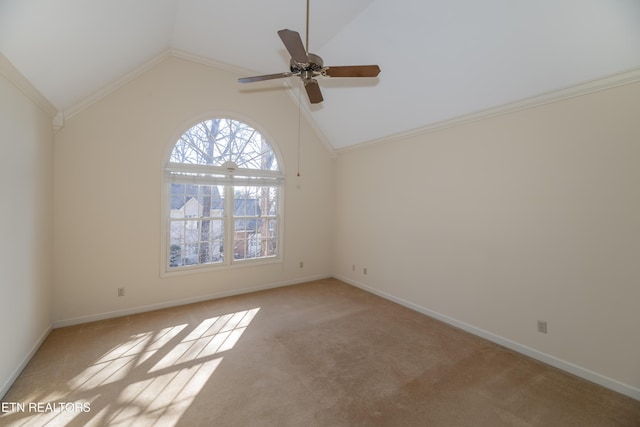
307, 65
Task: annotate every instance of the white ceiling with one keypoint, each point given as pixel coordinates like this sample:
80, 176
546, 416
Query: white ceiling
439, 59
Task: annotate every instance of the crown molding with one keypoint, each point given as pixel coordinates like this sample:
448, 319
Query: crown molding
117, 84
608, 82
133, 74
592, 86
15, 77
60, 117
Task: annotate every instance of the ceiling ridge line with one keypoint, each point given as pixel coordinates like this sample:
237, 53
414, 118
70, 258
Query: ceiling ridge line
592, 86
209, 62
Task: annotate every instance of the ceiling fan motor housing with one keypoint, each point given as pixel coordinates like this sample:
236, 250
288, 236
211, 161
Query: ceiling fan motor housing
308, 65
313, 67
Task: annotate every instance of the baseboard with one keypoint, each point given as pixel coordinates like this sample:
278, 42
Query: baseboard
175, 303
579, 371
9, 381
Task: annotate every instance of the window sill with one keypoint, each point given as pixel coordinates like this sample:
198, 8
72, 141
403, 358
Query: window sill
211, 268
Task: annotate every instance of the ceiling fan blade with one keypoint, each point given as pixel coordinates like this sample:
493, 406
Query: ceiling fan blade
293, 43
352, 71
313, 91
264, 77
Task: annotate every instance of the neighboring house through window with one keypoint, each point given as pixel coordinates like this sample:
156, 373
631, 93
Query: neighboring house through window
224, 189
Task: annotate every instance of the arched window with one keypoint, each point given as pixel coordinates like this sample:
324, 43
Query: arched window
224, 187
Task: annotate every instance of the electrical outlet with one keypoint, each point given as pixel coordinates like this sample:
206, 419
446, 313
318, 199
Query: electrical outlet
120, 292
301, 264
542, 326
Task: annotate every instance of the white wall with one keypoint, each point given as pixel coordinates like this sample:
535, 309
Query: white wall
26, 226
498, 223
108, 183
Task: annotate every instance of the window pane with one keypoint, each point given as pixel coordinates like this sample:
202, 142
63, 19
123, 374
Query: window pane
256, 222
196, 233
197, 230
216, 141
255, 201
196, 201
196, 242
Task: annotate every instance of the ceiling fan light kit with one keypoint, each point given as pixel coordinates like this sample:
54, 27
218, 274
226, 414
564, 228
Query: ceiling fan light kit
308, 66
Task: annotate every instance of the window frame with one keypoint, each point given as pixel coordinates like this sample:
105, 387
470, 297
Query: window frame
229, 180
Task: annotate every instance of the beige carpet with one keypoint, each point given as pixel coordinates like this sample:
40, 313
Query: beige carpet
317, 354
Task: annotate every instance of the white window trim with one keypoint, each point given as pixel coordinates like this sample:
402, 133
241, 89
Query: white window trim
201, 174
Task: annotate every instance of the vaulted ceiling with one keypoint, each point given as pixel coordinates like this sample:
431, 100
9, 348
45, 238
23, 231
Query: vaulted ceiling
440, 59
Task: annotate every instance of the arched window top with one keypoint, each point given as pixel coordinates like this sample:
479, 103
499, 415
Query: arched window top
225, 143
